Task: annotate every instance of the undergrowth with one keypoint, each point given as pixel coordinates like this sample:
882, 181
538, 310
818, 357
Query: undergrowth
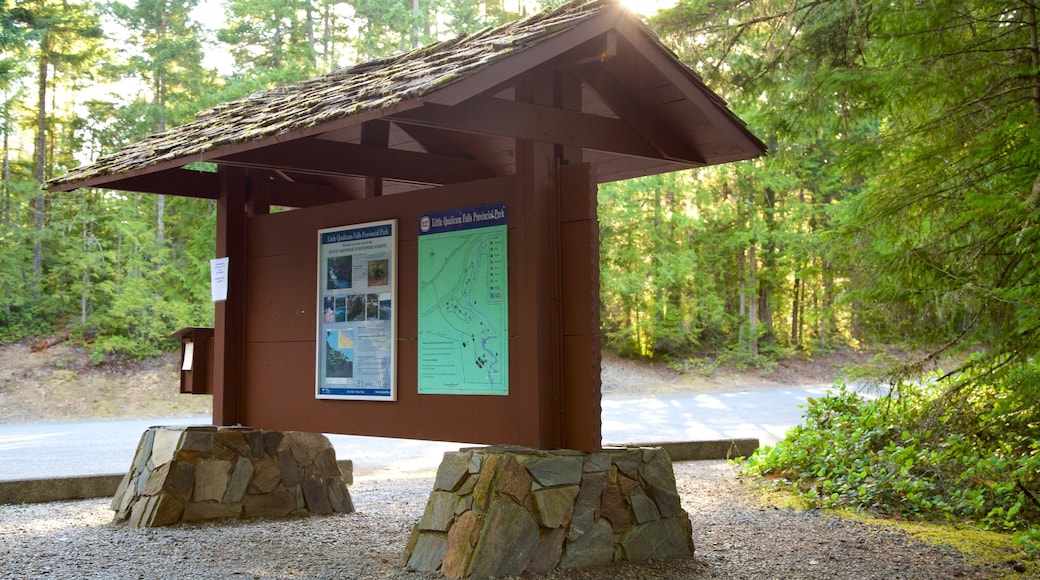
961, 449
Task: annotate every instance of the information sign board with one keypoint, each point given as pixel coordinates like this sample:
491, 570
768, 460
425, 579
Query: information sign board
464, 302
357, 294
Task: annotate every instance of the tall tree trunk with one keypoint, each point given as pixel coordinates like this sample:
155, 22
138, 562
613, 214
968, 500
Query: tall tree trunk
5, 200
796, 321
85, 279
160, 101
326, 41
40, 165
1034, 52
766, 286
415, 24
825, 320
160, 225
752, 302
742, 308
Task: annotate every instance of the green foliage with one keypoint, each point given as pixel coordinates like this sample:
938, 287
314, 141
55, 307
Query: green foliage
932, 449
657, 280
276, 34
20, 314
168, 59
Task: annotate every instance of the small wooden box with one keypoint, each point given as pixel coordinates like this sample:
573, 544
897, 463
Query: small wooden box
196, 359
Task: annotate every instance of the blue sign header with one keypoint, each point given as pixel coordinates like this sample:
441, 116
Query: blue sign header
354, 235
468, 218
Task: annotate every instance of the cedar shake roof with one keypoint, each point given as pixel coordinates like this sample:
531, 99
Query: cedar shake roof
449, 112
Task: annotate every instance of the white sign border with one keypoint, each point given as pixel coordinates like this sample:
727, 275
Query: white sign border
322, 281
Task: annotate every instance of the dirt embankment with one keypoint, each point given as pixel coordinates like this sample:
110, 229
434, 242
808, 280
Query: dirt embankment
626, 376
59, 382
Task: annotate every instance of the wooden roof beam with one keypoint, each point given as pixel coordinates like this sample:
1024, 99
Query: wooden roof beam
432, 140
745, 144
180, 182
670, 145
204, 185
502, 118
319, 157
305, 194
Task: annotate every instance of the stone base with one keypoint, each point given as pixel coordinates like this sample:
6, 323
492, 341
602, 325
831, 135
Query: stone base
503, 511
183, 474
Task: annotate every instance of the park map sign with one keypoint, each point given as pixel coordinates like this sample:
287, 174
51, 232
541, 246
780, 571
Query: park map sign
357, 287
463, 302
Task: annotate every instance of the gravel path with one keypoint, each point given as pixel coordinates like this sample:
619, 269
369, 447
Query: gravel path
735, 537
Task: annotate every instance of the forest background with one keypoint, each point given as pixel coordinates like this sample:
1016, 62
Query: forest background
899, 205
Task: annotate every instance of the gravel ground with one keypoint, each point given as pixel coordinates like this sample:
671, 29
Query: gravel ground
735, 537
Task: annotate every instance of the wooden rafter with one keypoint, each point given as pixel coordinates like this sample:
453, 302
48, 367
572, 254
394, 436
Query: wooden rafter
744, 144
627, 106
432, 140
315, 157
499, 117
304, 194
183, 182
205, 185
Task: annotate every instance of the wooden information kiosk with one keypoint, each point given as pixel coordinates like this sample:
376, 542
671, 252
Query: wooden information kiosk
529, 116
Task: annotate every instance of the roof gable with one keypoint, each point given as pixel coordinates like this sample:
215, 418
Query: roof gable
441, 86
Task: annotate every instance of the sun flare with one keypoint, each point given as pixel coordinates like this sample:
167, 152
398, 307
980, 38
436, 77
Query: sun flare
648, 7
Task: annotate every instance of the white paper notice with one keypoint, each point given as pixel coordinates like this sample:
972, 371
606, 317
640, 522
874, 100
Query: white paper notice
218, 278
189, 356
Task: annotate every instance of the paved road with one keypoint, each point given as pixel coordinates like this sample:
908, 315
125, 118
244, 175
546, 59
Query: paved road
39, 450
761, 414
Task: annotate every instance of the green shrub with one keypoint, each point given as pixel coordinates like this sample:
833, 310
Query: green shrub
964, 448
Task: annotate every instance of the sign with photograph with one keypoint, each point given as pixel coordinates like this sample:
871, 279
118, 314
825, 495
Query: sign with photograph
357, 294
463, 302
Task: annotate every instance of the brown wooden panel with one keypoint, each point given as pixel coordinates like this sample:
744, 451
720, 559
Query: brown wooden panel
580, 258
281, 372
578, 201
282, 297
660, 95
278, 234
582, 393
281, 396
295, 231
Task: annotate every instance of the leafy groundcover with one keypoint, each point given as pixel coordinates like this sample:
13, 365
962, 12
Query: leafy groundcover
963, 448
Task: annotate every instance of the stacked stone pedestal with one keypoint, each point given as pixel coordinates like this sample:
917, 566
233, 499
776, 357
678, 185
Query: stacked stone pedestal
502, 511
182, 474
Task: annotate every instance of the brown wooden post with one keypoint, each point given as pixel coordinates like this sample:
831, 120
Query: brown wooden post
375, 134
258, 198
580, 411
568, 419
229, 315
540, 353
581, 328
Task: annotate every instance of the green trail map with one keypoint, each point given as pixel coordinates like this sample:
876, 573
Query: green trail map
463, 302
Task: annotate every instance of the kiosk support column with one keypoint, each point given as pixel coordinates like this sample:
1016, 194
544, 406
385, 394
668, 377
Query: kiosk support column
540, 353
229, 315
560, 278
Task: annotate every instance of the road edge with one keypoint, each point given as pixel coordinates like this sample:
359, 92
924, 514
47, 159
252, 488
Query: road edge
24, 491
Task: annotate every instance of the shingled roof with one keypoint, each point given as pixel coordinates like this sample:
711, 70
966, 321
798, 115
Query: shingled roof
434, 87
